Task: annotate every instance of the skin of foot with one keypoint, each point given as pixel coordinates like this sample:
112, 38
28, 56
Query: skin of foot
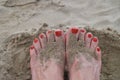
83, 55
47, 56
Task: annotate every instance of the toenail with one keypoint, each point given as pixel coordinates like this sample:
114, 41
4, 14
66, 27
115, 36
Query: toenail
89, 35
49, 32
98, 49
32, 47
35, 40
95, 39
58, 33
41, 36
82, 30
74, 30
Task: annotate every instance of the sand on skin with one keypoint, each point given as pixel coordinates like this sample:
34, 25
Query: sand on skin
15, 55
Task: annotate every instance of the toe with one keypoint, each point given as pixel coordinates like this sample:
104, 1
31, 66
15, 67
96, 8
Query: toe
33, 59
82, 34
59, 35
75, 31
88, 38
98, 53
43, 40
72, 35
36, 44
59, 38
50, 36
33, 54
94, 43
60, 41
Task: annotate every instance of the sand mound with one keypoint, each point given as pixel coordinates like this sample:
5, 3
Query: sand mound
14, 58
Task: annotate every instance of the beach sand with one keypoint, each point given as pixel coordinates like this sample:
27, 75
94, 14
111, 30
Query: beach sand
22, 20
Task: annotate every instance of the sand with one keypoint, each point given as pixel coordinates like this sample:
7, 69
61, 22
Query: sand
21, 19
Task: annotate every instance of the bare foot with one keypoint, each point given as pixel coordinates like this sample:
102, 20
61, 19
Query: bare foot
47, 56
83, 55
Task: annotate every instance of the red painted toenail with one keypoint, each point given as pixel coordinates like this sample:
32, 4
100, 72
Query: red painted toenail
41, 36
95, 39
58, 33
74, 30
98, 49
82, 30
35, 40
49, 31
89, 35
32, 47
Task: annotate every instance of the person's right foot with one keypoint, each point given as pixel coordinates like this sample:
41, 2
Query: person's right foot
47, 56
83, 55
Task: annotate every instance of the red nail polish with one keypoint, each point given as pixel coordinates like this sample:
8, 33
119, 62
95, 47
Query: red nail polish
82, 30
41, 36
32, 47
74, 30
35, 40
98, 49
89, 35
58, 33
95, 39
49, 31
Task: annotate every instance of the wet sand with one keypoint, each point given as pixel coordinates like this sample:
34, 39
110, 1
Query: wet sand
14, 58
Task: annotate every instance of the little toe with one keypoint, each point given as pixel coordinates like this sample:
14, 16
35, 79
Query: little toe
33, 59
33, 54
98, 53
94, 43
50, 36
43, 40
88, 38
36, 44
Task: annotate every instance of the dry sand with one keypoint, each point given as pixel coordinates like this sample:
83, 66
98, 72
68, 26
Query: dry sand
20, 20
14, 58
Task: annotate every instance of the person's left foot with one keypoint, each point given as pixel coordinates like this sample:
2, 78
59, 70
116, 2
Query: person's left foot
47, 56
83, 55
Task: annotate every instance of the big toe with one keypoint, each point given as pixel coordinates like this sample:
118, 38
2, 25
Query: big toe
72, 36
59, 38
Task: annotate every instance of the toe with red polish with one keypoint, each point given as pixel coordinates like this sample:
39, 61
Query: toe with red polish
41, 36
49, 31
98, 53
90, 35
32, 47
88, 39
98, 49
58, 33
94, 43
95, 39
36, 40
82, 30
74, 30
